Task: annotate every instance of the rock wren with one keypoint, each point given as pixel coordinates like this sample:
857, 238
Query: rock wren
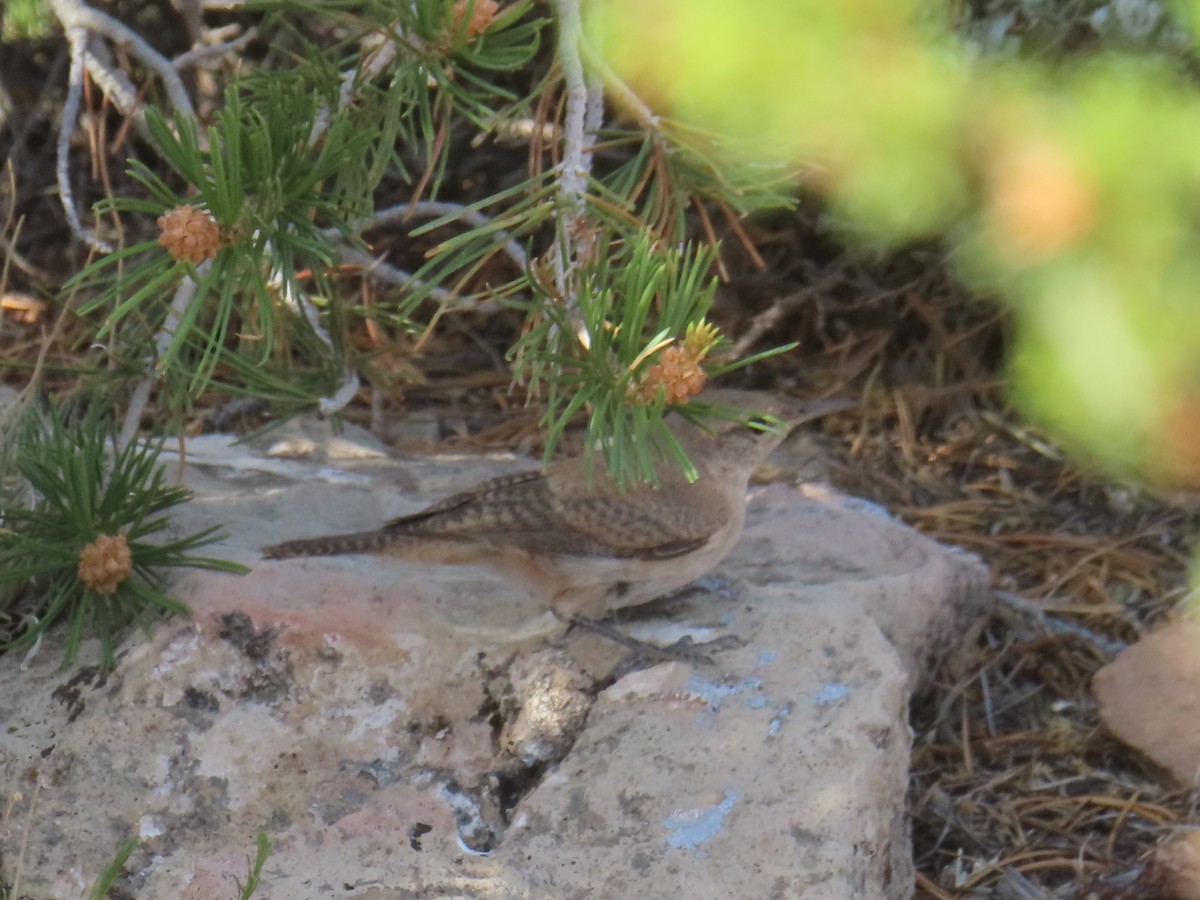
589, 546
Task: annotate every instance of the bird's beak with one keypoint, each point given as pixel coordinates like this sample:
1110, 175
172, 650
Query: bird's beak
807, 412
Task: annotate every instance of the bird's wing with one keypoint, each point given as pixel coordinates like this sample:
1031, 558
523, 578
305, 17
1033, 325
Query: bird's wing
511, 511
565, 514
493, 487
672, 521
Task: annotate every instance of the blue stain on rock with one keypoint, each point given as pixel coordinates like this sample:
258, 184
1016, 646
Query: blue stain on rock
714, 584
831, 693
692, 827
777, 722
857, 504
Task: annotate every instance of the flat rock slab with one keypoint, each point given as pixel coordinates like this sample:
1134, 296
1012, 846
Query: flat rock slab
406, 730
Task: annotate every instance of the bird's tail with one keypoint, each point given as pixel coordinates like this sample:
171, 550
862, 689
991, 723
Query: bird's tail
331, 545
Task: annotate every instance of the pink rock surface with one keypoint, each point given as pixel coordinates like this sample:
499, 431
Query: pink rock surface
1150, 697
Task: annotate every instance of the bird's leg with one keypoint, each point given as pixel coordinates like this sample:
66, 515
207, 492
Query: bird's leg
683, 650
592, 609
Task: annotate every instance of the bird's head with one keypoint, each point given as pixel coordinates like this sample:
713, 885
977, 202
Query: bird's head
740, 428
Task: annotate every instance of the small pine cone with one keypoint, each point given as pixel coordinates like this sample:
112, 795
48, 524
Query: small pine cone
105, 563
481, 20
679, 371
190, 233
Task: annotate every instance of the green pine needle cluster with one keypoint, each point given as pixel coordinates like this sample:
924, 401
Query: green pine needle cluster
293, 170
635, 302
83, 489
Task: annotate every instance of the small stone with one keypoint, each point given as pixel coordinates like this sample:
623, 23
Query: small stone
552, 703
1164, 668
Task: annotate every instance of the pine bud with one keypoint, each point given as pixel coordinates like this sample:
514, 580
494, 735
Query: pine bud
105, 563
678, 368
190, 233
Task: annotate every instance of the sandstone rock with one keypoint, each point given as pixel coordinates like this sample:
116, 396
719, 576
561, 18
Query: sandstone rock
402, 730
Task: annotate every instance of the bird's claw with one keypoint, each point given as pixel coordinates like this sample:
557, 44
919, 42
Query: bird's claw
683, 650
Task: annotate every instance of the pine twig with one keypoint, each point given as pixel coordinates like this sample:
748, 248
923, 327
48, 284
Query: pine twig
82, 23
75, 14
585, 103
77, 40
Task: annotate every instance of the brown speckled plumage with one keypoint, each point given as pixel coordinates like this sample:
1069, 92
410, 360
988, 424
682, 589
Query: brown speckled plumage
593, 547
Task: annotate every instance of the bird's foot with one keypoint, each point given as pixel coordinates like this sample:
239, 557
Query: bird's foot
683, 650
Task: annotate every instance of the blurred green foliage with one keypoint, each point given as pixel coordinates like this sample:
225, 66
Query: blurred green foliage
24, 19
1067, 185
